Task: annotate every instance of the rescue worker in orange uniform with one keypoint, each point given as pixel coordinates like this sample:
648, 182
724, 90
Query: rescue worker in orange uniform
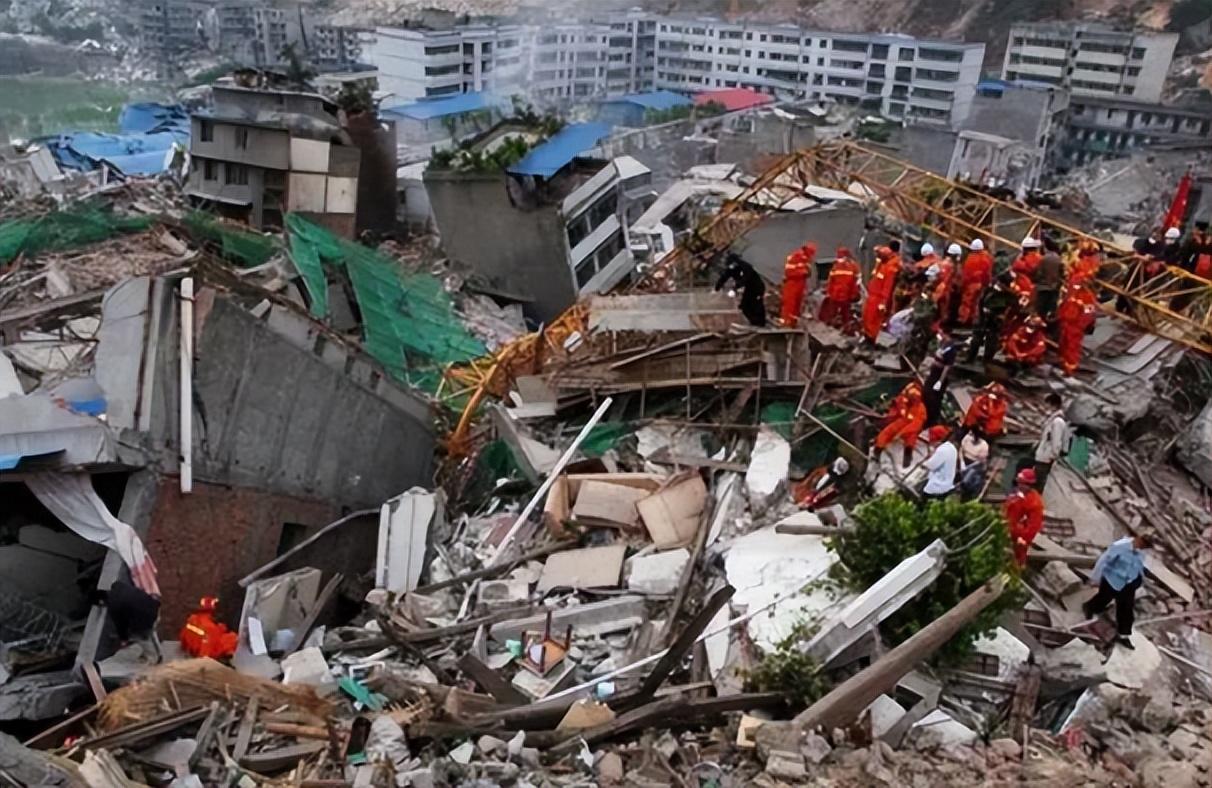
796, 270
976, 275
987, 412
1085, 268
1024, 511
943, 291
929, 258
880, 290
841, 291
906, 418
1023, 291
202, 636
1026, 344
1076, 314
1029, 259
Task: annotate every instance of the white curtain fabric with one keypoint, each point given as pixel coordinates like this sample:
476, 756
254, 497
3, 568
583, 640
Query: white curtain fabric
71, 498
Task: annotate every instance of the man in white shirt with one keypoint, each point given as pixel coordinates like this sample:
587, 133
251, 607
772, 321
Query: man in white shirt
940, 465
1053, 441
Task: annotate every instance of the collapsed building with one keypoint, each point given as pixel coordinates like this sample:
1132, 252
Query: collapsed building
617, 546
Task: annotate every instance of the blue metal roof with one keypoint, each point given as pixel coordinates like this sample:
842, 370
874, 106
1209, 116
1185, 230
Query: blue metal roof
149, 131
144, 117
660, 99
441, 107
554, 154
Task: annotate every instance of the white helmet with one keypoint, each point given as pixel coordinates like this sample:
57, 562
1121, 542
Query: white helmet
927, 249
977, 245
954, 250
1030, 243
1173, 234
840, 467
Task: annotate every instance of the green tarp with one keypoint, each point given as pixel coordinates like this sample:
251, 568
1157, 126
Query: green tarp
408, 319
59, 231
242, 247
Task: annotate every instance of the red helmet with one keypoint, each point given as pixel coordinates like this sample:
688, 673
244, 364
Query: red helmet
1026, 476
938, 433
842, 252
208, 604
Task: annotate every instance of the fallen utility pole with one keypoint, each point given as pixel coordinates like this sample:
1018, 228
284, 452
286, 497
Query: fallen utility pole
848, 699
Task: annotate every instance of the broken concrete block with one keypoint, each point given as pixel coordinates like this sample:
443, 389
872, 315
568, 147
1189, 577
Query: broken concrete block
768, 466
1058, 580
884, 714
405, 523
416, 778
1134, 668
585, 713
1011, 652
307, 666
938, 729
463, 753
503, 593
1161, 773
783, 765
815, 748
492, 746
610, 768
1007, 748
746, 729
539, 687
658, 573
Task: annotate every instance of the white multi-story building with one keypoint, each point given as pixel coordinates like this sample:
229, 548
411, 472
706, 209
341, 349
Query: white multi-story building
931, 81
416, 64
1090, 59
900, 76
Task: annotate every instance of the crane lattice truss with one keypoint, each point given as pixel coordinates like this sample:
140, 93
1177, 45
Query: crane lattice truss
1173, 303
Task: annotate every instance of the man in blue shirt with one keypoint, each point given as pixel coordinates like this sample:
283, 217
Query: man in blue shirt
1118, 573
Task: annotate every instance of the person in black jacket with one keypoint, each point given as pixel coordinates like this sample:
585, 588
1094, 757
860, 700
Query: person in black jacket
995, 304
750, 285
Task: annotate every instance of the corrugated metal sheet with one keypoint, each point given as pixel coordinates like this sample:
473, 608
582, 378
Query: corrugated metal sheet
659, 99
554, 154
441, 107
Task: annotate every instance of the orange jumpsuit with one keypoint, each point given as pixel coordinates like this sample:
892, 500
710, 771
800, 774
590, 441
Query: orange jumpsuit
841, 290
795, 283
1025, 517
1026, 343
1027, 262
1085, 269
1023, 290
202, 636
879, 296
944, 285
906, 418
988, 412
975, 276
1076, 314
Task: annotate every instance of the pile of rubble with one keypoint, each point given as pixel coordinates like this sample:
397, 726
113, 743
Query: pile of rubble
591, 593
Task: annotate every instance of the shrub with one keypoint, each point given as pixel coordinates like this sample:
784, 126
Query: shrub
890, 528
790, 671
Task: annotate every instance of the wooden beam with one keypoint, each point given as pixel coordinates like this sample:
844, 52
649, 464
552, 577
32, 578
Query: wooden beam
846, 701
685, 641
491, 681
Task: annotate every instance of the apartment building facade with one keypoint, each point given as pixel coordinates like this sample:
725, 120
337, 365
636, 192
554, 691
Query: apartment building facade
1090, 59
900, 76
1101, 128
903, 77
421, 63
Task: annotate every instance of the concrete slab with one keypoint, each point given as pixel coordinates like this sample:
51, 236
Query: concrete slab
884, 713
594, 619
768, 466
1134, 668
588, 567
658, 573
763, 565
938, 729
1011, 652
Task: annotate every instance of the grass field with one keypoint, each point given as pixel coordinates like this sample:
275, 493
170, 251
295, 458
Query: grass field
33, 106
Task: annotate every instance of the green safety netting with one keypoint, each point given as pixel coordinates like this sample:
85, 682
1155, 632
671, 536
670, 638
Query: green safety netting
780, 416
70, 228
242, 247
408, 319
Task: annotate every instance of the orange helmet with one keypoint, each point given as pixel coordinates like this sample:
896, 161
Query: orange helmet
842, 253
996, 389
208, 604
883, 252
914, 389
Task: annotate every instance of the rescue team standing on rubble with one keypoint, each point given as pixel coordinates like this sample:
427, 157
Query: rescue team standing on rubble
1041, 298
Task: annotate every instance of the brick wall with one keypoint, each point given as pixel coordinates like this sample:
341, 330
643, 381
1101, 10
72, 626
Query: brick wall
204, 542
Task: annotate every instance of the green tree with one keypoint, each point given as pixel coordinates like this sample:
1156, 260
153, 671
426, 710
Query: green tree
890, 528
297, 70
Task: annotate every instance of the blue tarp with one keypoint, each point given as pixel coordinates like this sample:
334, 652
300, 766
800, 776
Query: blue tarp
441, 107
660, 99
552, 156
149, 131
